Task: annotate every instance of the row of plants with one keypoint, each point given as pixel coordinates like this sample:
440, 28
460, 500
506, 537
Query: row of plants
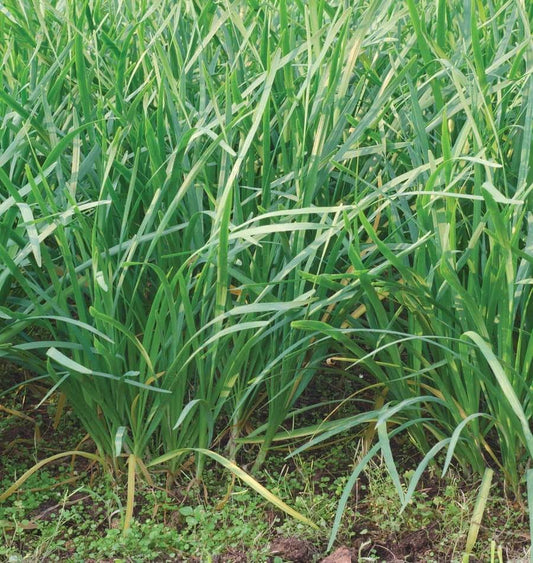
202, 202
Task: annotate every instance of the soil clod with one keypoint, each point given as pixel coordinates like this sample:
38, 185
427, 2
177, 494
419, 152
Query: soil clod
292, 549
340, 555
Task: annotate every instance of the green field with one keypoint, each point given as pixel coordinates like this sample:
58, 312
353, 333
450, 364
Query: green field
236, 232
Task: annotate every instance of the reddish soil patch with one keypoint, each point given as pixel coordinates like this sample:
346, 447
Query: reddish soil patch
293, 549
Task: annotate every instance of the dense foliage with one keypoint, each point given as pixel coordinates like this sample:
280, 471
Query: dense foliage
201, 202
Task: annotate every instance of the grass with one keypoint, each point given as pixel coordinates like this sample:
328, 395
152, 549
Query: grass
203, 202
72, 513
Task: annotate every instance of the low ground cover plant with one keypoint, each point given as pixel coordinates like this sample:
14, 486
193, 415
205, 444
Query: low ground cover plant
71, 511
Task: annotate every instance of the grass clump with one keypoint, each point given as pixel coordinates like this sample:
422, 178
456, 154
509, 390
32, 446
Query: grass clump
202, 202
